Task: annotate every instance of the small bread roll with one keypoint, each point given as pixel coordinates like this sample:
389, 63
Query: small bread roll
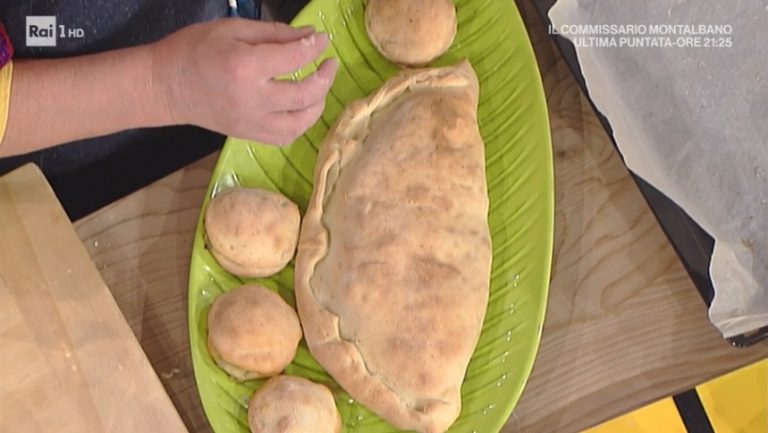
411, 32
252, 332
289, 404
252, 232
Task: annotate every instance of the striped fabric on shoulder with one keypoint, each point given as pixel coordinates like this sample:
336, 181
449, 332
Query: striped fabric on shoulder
6, 73
6, 48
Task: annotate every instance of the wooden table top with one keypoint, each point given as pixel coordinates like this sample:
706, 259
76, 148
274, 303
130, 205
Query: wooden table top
625, 325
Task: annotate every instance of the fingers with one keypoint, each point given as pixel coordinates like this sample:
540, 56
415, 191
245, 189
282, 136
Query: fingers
293, 96
262, 32
281, 59
284, 128
293, 107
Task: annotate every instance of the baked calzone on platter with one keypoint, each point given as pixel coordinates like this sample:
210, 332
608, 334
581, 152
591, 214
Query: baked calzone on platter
394, 256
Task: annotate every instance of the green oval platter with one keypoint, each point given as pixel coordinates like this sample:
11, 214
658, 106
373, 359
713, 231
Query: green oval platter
514, 125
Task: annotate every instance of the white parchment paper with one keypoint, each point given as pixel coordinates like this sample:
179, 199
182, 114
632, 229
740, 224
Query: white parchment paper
687, 97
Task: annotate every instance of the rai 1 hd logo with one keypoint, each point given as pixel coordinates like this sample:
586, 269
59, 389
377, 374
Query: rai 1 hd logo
42, 31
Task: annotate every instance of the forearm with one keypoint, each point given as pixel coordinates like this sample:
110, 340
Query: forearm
59, 100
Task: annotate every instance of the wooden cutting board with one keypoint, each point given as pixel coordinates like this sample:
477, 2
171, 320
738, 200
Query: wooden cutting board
68, 360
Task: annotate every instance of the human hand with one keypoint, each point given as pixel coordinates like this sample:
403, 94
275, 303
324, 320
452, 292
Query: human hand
221, 75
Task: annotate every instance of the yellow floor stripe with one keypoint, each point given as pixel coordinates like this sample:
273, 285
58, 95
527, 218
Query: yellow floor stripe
738, 401
658, 417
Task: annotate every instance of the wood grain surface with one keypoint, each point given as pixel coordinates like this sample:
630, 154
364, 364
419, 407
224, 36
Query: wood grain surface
624, 327
142, 245
70, 362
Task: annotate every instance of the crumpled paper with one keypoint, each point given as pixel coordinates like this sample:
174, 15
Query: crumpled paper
686, 93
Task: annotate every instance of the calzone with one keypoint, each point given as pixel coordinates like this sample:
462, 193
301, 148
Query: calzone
394, 256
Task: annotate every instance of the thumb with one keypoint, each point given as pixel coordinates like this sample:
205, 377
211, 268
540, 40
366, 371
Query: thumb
261, 32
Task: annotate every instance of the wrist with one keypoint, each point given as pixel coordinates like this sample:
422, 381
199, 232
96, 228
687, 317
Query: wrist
156, 88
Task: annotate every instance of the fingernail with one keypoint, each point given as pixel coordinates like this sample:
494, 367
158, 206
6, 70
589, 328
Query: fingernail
309, 40
333, 64
315, 38
329, 68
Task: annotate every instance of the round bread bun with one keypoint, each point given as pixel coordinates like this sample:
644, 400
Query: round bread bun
252, 232
289, 404
411, 32
252, 332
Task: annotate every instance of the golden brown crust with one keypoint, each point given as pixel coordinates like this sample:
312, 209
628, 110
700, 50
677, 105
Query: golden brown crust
252, 332
411, 33
394, 305
252, 232
288, 404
